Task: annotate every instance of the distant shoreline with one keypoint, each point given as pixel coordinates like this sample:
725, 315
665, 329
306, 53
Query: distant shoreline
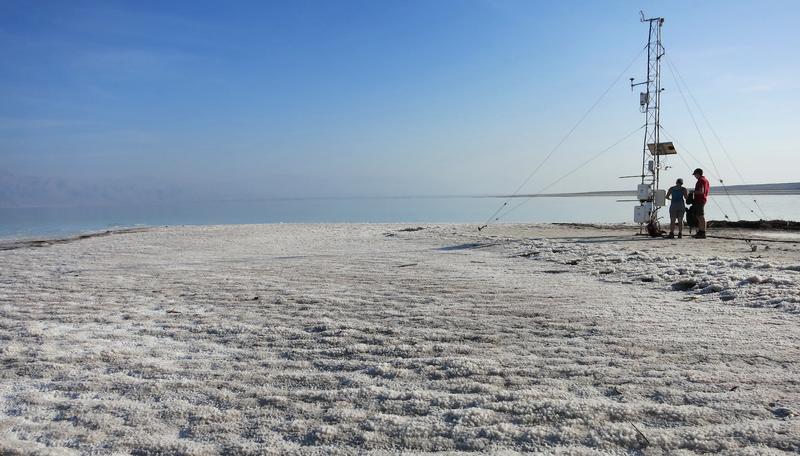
632, 194
787, 188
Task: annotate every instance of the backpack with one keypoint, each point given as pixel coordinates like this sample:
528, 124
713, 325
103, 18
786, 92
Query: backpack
652, 229
691, 217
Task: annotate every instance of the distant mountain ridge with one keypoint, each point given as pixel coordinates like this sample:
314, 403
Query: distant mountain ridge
33, 191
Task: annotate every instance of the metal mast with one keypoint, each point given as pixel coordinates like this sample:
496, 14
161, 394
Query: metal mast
650, 197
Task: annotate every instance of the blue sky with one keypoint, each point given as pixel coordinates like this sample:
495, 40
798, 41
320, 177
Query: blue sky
335, 98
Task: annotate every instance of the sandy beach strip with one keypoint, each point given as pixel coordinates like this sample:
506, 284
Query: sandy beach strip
346, 339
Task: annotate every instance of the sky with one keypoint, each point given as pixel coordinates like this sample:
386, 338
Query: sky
374, 98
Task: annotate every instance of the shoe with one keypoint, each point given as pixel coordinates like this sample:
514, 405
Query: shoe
671, 236
680, 235
700, 235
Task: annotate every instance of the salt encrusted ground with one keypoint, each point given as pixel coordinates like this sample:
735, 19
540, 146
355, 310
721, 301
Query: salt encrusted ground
318, 339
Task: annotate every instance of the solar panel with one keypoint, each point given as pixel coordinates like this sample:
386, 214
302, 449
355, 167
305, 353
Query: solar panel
664, 148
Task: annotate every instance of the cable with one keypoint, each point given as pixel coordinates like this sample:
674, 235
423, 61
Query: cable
675, 72
702, 138
574, 170
569, 133
711, 127
760, 210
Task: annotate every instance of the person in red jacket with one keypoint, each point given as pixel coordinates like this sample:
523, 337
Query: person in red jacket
701, 189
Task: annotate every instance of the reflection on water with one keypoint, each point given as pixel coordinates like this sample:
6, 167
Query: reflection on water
27, 222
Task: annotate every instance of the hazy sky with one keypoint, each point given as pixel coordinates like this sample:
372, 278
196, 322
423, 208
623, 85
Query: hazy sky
384, 97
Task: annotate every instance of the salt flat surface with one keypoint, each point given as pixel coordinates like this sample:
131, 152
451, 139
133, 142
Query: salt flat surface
324, 339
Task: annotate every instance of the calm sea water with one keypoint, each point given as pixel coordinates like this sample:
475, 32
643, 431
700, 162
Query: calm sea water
51, 222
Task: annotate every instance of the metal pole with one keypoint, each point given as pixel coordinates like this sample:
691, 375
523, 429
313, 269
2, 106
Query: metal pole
652, 111
650, 106
657, 141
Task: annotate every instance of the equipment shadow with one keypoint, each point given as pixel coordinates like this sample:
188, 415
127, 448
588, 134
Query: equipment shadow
605, 239
467, 246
